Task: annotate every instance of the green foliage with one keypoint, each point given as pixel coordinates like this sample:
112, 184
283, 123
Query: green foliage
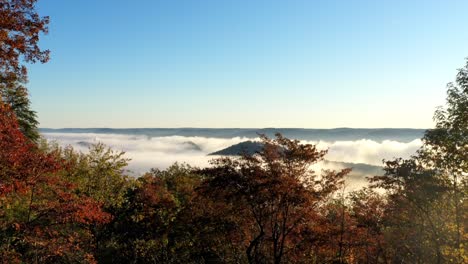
100, 173
426, 214
446, 146
14, 94
446, 150
58, 205
20, 30
151, 225
43, 218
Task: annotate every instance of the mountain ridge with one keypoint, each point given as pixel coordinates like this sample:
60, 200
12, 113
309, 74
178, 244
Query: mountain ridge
335, 134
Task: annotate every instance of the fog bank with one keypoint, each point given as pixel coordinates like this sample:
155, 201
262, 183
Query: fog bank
160, 152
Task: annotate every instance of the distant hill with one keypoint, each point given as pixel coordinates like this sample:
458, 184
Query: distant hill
84, 144
358, 173
189, 145
335, 134
246, 147
359, 169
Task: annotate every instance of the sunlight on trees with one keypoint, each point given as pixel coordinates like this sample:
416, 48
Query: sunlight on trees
59, 205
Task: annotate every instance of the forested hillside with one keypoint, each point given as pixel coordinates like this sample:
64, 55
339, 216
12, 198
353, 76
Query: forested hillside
59, 205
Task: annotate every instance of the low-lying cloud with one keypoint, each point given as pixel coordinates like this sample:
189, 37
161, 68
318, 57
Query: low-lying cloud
160, 152
368, 151
150, 152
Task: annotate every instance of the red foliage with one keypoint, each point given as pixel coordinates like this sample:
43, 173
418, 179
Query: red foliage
52, 212
21, 164
20, 27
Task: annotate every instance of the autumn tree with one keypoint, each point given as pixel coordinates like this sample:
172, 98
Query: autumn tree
153, 223
427, 193
99, 173
271, 198
445, 149
20, 29
42, 217
367, 209
16, 96
334, 233
413, 218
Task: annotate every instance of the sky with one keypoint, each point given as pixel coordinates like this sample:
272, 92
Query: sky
244, 63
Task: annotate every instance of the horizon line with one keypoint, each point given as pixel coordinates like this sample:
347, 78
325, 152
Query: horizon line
245, 128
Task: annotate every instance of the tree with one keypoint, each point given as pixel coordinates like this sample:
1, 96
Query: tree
445, 149
16, 96
42, 216
100, 173
368, 212
427, 193
271, 198
153, 225
20, 28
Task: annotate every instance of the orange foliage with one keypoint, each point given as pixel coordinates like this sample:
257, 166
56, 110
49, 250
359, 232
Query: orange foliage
49, 217
20, 27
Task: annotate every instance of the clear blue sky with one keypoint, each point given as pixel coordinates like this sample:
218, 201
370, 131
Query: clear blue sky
314, 64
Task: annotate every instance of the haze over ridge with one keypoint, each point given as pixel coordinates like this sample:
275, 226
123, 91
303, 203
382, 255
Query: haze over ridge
376, 134
160, 148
